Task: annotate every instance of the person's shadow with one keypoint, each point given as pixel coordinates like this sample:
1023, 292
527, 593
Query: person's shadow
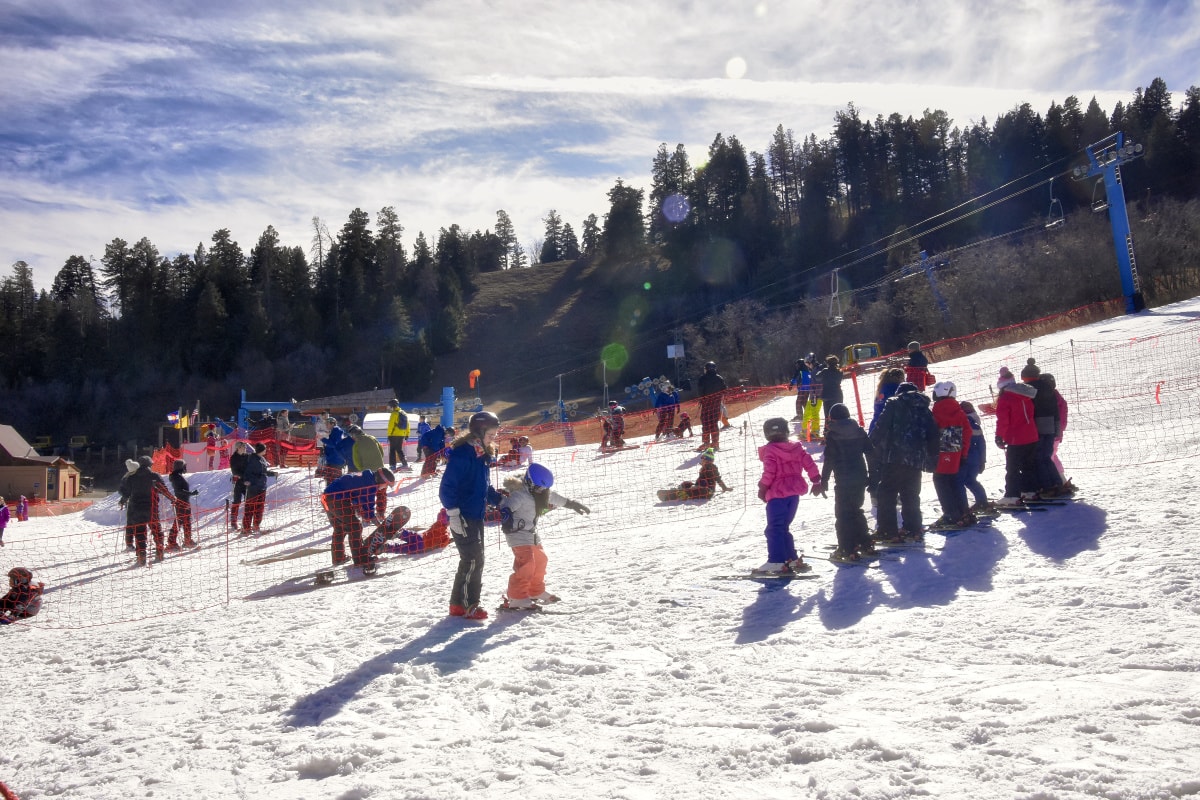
1075, 529
462, 645
773, 608
851, 598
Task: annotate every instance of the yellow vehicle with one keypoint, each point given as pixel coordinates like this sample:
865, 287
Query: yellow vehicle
866, 356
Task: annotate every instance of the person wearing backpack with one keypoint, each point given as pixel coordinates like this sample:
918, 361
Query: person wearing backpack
954, 442
397, 434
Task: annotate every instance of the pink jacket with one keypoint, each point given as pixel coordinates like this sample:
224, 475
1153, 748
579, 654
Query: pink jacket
784, 466
1014, 415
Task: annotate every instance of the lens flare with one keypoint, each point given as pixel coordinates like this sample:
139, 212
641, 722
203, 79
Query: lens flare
675, 208
614, 356
735, 68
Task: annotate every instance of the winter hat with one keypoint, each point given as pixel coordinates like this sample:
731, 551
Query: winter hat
1030, 371
839, 411
179, 466
708, 455
1006, 378
776, 429
906, 387
131, 465
145, 461
260, 448
944, 389
914, 346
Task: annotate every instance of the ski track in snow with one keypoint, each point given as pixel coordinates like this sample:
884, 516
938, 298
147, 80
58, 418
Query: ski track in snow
1050, 656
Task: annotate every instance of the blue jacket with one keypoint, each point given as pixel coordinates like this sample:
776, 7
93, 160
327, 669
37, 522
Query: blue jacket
466, 483
359, 488
256, 474
665, 399
333, 453
977, 450
434, 439
886, 392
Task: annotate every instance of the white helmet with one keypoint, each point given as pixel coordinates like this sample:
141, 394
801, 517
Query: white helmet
944, 389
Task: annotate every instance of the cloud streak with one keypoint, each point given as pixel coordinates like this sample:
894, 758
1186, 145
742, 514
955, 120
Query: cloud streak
173, 121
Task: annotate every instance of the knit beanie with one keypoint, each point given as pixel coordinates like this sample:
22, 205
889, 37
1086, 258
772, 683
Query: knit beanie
1030, 371
1006, 378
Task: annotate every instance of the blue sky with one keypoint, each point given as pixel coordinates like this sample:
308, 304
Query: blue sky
171, 120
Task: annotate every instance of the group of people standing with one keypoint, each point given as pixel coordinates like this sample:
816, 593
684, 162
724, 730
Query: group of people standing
818, 386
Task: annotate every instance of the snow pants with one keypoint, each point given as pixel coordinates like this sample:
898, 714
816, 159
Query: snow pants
951, 494
810, 427
346, 528
1047, 473
666, 421
396, 451
235, 503
528, 578
710, 417
183, 519
1020, 469
781, 546
468, 578
968, 479
256, 504
849, 521
903, 482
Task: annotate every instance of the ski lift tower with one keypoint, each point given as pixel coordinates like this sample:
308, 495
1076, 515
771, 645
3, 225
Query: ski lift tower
1105, 158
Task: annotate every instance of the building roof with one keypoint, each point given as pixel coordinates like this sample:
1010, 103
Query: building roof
345, 403
16, 447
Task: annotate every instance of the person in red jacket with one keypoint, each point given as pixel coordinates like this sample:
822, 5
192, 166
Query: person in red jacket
916, 371
955, 438
1017, 436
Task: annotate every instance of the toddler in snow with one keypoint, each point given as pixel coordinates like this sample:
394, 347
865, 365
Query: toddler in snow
528, 498
784, 466
24, 597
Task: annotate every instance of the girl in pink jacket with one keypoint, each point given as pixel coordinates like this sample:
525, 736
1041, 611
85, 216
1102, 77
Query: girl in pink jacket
784, 466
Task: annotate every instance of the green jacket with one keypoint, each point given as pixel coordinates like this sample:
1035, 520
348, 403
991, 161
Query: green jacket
367, 453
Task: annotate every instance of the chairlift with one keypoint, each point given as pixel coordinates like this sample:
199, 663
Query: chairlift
1099, 203
835, 302
1054, 217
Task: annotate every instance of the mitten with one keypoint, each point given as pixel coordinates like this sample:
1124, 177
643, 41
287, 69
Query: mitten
455, 524
578, 508
1000, 441
762, 493
818, 489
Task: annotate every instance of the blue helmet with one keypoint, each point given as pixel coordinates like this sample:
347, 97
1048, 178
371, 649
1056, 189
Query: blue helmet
539, 476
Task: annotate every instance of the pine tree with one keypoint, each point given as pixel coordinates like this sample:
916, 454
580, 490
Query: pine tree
552, 247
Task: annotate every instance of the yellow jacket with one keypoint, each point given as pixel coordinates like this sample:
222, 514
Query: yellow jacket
395, 423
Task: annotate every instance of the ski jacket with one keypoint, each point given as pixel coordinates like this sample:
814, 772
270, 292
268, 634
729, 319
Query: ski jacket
320, 430
1062, 413
906, 433
846, 448
976, 457
830, 381
359, 490
523, 513
1045, 407
398, 424
422, 429
368, 453
1014, 415
709, 478
434, 439
802, 379
886, 392
256, 474
955, 435
5, 516
917, 371
710, 383
466, 483
666, 400
237, 464
139, 491
784, 467
183, 492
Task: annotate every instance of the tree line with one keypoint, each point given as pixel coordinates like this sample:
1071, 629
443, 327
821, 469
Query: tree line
112, 345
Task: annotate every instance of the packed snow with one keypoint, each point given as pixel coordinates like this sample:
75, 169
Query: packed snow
1047, 656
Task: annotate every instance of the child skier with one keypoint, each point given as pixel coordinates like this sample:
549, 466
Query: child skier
5, 515
529, 497
704, 487
974, 462
685, 424
784, 466
183, 507
954, 430
846, 458
24, 597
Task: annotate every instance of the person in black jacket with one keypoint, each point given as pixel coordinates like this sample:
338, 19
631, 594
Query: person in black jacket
140, 491
1045, 416
829, 377
846, 457
710, 387
255, 480
183, 507
906, 444
237, 473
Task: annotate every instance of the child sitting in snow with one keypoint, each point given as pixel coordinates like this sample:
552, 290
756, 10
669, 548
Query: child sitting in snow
528, 498
391, 536
704, 487
784, 466
685, 424
24, 597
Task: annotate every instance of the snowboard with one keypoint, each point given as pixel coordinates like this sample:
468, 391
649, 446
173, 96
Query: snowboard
671, 494
619, 449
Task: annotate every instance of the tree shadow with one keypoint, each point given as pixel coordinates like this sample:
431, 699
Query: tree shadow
462, 645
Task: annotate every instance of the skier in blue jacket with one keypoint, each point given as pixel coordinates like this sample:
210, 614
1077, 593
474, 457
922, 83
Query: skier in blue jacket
465, 492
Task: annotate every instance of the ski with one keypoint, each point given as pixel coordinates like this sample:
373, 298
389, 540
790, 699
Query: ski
535, 610
1023, 509
764, 578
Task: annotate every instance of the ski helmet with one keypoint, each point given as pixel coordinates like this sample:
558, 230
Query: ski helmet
710, 366
776, 429
145, 461
20, 575
839, 411
481, 422
914, 346
539, 476
945, 389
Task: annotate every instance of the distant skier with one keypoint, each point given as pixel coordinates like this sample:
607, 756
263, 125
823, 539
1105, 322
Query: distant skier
24, 597
917, 371
349, 502
140, 492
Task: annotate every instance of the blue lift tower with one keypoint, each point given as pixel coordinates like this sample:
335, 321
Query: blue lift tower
1105, 158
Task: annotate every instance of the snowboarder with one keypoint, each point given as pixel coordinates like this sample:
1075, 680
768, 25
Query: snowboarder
465, 493
685, 424
846, 458
704, 487
349, 502
780, 487
529, 497
24, 597
368, 455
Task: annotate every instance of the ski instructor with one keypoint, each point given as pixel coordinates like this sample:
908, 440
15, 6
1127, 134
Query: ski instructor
465, 492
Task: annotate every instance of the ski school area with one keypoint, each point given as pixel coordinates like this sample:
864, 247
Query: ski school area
1049, 654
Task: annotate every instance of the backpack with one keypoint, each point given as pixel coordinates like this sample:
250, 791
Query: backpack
951, 440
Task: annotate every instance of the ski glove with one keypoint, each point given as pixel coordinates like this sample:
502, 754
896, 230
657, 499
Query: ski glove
818, 489
1000, 441
762, 493
455, 523
578, 508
